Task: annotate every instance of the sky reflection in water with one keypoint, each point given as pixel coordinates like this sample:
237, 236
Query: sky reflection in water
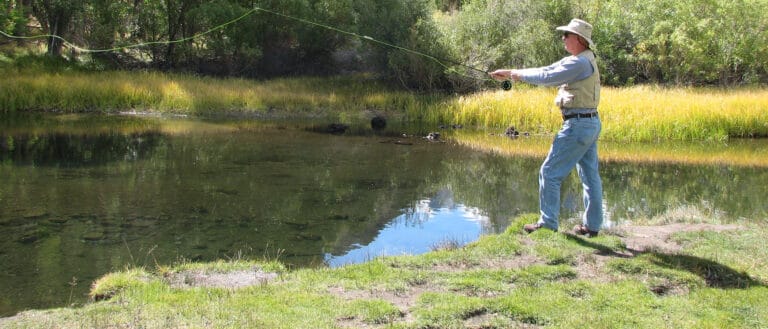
418, 230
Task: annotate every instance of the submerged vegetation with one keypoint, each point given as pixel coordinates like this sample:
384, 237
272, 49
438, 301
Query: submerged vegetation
716, 280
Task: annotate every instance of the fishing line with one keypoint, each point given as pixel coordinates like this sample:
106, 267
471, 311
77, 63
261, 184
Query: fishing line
357, 35
506, 85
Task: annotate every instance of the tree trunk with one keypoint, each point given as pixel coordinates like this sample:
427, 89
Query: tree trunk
55, 17
55, 44
175, 12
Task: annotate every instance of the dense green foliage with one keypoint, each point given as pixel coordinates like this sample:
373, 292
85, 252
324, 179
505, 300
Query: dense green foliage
684, 42
260, 44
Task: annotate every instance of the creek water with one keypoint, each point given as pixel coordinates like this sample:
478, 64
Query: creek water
84, 195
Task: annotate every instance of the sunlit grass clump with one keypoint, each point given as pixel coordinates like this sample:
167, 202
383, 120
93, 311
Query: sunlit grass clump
118, 91
641, 113
652, 113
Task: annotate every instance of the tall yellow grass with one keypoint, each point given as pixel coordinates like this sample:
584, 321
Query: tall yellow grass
643, 113
159, 92
648, 113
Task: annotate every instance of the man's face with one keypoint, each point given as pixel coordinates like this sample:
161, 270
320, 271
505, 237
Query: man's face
572, 44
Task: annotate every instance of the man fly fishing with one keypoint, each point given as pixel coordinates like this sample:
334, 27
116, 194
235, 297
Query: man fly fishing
575, 145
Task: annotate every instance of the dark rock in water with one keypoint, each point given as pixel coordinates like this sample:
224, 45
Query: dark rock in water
58, 220
229, 192
378, 123
336, 128
338, 217
29, 238
511, 132
297, 225
396, 142
453, 126
94, 236
34, 215
307, 237
32, 233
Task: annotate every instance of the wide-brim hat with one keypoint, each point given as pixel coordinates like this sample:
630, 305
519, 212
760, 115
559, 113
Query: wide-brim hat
580, 27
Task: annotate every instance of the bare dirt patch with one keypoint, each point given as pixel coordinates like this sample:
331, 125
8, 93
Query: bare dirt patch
403, 300
640, 239
486, 320
233, 280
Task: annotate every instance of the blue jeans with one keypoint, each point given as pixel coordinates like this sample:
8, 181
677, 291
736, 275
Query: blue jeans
574, 146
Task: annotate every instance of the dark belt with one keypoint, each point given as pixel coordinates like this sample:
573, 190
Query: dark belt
579, 115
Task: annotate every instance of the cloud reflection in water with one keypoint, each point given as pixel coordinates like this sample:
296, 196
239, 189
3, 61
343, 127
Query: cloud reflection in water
418, 230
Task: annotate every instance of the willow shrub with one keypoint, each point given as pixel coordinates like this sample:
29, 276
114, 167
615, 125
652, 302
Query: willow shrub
682, 42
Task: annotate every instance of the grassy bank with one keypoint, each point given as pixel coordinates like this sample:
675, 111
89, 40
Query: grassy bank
553, 280
643, 113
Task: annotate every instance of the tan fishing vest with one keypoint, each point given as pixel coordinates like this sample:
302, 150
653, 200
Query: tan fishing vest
583, 93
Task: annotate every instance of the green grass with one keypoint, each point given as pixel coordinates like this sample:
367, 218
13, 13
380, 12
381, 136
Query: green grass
546, 279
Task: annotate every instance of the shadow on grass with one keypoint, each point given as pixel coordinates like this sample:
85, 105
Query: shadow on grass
715, 275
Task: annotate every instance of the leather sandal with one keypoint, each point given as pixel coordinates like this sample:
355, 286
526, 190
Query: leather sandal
582, 229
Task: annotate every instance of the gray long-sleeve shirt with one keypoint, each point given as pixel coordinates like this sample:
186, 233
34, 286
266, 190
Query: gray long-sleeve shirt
568, 69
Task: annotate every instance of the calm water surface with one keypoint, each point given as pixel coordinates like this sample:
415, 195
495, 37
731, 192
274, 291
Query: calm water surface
81, 196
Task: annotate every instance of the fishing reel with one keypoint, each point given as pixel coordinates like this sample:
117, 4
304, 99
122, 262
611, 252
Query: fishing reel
506, 85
